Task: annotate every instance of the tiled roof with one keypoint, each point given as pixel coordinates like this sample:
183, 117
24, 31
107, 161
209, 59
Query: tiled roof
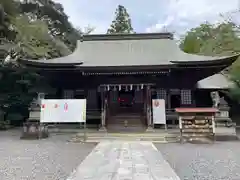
128, 50
216, 81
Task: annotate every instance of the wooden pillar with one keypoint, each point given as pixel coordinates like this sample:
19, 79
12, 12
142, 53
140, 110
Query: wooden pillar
149, 109
103, 111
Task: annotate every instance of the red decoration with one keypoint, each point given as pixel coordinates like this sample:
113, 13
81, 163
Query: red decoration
65, 106
156, 103
43, 106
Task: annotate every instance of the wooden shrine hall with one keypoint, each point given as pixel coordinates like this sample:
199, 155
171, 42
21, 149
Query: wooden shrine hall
120, 74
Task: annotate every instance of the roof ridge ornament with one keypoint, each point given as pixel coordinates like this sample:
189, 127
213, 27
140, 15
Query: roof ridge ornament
136, 36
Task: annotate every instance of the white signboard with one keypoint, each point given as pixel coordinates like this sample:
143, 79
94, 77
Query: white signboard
63, 110
159, 111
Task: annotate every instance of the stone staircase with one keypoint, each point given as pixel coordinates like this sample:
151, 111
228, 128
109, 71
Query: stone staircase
152, 137
128, 122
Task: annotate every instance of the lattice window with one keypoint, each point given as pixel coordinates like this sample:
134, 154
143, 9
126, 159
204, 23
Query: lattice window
161, 94
68, 94
186, 97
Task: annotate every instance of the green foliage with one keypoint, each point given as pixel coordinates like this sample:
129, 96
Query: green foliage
8, 10
39, 28
216, 40
122, 22
15, 85
34, 40
11, 7
31, 30
212, 39
55, 18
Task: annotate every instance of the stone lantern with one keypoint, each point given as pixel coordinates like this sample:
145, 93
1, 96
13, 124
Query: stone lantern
33, 129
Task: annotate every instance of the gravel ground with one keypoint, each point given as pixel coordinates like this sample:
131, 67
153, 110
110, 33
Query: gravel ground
219, 161
50, 159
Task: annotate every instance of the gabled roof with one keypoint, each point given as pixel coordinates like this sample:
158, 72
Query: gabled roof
216, 81
149, 49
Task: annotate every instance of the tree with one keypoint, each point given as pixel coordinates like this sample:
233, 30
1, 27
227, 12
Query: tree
214, 40
8, 10
33, 29
33, 32
15, 94
57, 21
33, 39
122, 22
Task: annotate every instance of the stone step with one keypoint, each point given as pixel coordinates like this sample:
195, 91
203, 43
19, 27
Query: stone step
164, 137
121, 123
125, 138
144, 134
116, 125
126, 118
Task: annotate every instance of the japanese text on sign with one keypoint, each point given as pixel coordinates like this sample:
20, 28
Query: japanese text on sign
63, 110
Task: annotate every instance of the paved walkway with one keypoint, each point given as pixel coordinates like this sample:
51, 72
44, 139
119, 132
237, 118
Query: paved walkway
116, 160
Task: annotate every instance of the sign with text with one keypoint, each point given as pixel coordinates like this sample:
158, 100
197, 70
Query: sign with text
159, 111
63, 110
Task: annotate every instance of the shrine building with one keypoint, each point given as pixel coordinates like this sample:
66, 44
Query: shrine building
120, 74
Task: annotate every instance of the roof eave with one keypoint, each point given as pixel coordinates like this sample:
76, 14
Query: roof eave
45, 63
219, 60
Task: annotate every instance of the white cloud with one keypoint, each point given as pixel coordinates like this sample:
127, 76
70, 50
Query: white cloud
150, 16
160, 26
184, 14
85, 13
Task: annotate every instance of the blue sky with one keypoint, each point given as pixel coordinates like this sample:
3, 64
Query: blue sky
148, 15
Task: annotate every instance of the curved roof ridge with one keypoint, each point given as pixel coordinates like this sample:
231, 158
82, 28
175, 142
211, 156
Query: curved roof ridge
201, 59
134, 36
135, 52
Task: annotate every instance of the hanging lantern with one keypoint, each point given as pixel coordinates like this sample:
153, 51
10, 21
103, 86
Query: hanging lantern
108, 88
141, 86
119, 87
131, 87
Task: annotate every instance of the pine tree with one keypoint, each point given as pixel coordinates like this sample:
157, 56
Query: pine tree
122, 23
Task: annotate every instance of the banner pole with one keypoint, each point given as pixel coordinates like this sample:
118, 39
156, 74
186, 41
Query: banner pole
85, 133
85, 123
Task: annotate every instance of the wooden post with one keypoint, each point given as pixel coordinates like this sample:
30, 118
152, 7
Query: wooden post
85, 131
213, 126
147, 107
150, 106
103, 112
180, 127
149, 115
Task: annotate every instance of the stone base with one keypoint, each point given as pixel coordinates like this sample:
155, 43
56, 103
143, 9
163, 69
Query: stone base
150, 129
102, 129
226, 138
197, 140
34, 130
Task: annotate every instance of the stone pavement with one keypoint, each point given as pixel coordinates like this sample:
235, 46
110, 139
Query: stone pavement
121, 160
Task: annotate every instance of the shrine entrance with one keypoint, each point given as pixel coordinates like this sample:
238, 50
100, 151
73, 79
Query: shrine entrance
126, 109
